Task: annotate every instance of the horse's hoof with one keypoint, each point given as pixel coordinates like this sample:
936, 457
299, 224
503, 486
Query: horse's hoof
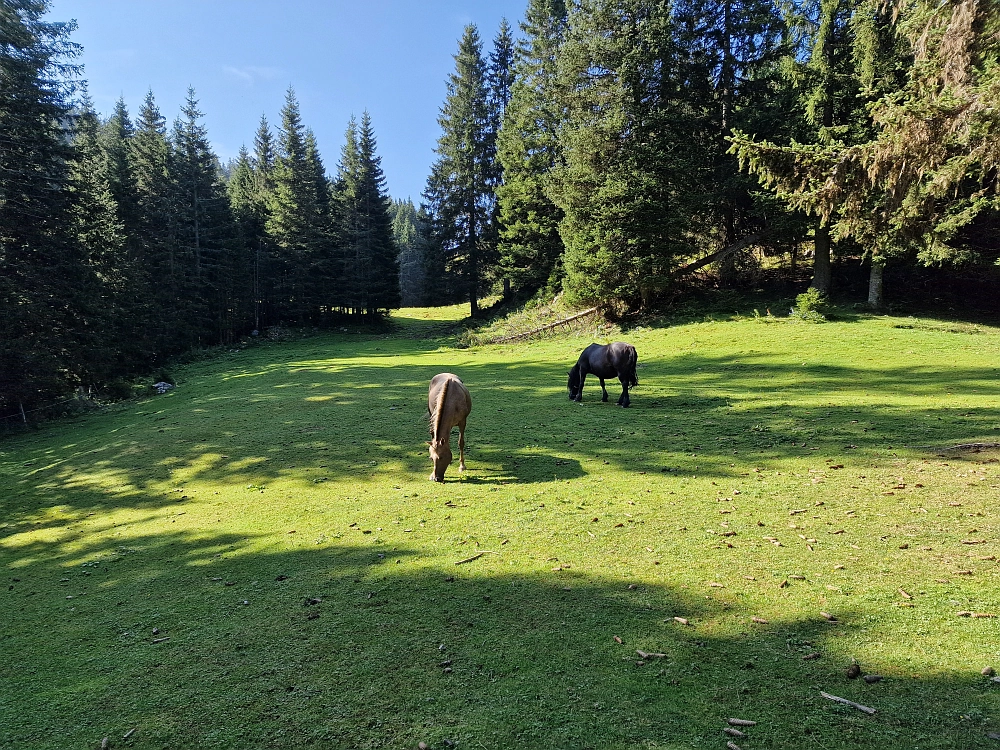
435, 479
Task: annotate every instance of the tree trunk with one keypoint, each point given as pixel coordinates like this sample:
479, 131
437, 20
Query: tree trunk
822, 276
875, 299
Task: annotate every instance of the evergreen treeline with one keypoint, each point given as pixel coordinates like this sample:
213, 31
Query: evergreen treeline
124, 242
607, 150
617, 145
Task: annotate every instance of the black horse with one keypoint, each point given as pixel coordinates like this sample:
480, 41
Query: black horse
607, 361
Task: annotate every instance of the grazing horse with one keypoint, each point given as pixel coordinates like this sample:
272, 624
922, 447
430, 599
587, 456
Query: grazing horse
449, 404
607, 361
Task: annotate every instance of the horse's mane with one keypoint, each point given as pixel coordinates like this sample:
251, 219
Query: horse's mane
438, 411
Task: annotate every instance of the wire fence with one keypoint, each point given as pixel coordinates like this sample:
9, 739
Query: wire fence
22, 414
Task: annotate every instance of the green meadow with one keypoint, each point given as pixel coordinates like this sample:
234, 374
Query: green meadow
256, 559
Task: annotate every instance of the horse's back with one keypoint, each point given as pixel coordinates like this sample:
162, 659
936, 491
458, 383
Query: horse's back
456, 401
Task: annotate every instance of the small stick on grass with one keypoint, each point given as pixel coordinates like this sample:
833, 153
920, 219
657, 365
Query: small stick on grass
846, 702
741, 723
477, 556
648, 655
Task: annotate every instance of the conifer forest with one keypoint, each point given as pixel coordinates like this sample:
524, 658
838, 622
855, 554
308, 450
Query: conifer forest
599, 149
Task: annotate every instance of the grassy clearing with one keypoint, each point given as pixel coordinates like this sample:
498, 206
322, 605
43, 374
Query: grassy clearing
256, 559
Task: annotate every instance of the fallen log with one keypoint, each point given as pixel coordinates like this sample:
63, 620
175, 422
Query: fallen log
540, 329
725, 252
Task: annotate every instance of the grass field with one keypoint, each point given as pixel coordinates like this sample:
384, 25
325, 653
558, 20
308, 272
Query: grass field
256, 559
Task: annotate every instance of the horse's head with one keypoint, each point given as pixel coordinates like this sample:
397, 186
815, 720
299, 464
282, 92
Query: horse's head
574, 382
441, 457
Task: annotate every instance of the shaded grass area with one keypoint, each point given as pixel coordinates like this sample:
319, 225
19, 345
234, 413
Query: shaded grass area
270, 518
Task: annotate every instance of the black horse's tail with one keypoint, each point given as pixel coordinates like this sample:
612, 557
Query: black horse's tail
633, 379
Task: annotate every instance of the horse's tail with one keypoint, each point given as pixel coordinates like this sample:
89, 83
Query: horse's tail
633, 379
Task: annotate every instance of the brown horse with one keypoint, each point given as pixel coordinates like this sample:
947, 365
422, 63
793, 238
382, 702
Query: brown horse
449, 404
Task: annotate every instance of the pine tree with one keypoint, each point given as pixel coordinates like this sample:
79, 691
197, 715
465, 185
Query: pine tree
215, 275
294, 223
633, 153
107, 294
266, 265
929, 164
729, 68
409, 228
41, 270
374, 202
356, 267
528, 149
247, 210
116, 140
159, 273
500, 74
370, 256
325, 257
459, 195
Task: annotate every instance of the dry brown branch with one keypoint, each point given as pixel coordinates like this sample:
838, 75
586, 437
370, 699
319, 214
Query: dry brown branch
477, 556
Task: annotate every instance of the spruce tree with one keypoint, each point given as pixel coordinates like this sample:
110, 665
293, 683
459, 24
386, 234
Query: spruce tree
159, 272
729, 72
266, 266
116, 139
371, 264
633, 153
215, 275
928, 166
249, 220
530, 247
294, 222
324, 260
409, 228
41, 270
104, 347
459, 196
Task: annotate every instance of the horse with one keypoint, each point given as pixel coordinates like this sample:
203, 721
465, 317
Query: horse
448, 405
607, 361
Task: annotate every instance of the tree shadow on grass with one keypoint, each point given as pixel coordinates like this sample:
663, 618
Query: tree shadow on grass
203, 641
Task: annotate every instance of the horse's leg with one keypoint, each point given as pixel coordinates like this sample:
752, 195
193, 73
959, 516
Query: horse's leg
583, 379
604, 391
623, 400
461, 445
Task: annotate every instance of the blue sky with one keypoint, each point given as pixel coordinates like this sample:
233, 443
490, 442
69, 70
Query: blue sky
389, 57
